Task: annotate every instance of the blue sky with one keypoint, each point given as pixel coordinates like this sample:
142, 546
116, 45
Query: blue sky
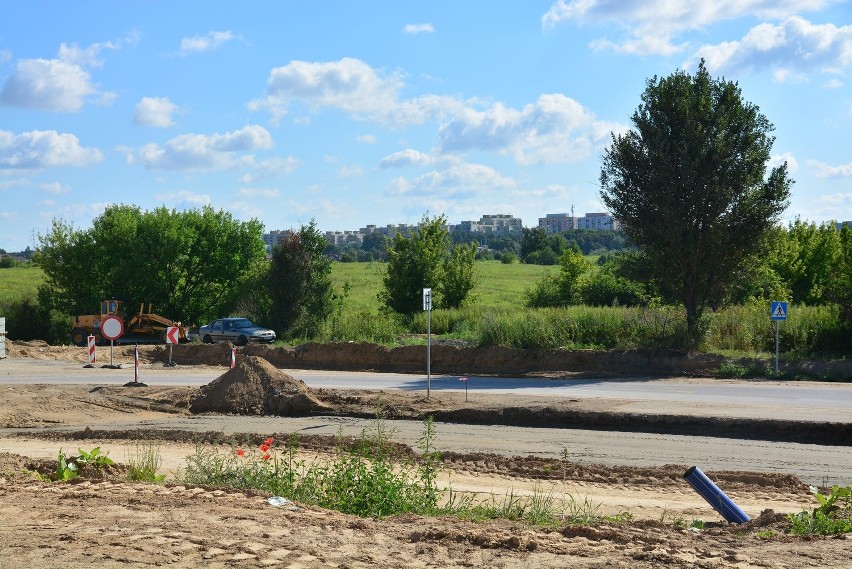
355, 113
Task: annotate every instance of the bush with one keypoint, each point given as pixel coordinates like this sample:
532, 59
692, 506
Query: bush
27, 319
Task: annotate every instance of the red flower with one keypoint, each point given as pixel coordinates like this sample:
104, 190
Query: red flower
264, 447
268, 441
266, 457
240, 452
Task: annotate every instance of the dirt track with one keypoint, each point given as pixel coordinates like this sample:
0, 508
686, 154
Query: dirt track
112, 523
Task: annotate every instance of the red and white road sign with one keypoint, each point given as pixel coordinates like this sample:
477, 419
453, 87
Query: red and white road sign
91, 342
172, 335
112, 328
233, 357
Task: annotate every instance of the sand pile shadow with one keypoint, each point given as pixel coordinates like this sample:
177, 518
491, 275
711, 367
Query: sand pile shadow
256, 387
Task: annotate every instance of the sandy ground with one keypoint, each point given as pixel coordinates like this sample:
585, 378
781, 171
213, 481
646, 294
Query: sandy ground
115, 523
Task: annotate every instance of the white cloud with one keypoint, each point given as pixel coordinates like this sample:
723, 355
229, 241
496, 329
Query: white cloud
17, 183
833, 83
60, 84
258, 193
461, 181
350, 172
418, 29
366, 139
155, 111
43, 149
199, 44
203, 152
554, 129
48, 84
55, 188
551, 191
407, 157
652, 25
348, 84
185, 198
778, 159
823, 170
271, 168
790, 48
9, 215
5, 55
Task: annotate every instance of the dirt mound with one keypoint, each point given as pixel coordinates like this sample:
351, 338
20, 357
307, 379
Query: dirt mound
256, 387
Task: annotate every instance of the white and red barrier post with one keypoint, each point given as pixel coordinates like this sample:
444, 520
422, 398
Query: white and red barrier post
136, 364
91, 344
233, 357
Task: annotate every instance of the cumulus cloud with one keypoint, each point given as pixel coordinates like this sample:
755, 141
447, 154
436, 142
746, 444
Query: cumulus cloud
55, 188
209, 42
418, 29
652, 25
778, 159
155, 111
203, 152
790, 47
366, 139
823, 170
61, 84
407, 157
460, 181
350, 172
48, 84
257, 193
16, 183
271, 168
184, 198
554, 129
348, 84
44, 149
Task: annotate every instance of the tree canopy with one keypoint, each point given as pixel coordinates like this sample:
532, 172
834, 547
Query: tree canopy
424, 259
689, 186
300, 283
187, 264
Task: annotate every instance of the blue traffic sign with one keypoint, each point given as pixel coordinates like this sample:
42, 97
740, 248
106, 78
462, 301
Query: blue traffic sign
778, 310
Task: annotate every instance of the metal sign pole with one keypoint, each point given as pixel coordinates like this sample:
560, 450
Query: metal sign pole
777, 336
111, 342
427, 306
428, 353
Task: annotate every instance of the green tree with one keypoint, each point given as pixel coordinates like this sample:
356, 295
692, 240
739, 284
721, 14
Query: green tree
422, 260
689, 186
562, 289
840, 289
300, 283
459, 276
188, 265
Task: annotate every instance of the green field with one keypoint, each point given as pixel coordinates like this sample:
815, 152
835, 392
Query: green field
17, 283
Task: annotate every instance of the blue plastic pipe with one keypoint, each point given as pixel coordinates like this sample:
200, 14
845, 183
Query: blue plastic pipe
715, 497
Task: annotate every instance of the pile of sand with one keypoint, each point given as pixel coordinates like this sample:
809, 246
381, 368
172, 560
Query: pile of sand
256, 387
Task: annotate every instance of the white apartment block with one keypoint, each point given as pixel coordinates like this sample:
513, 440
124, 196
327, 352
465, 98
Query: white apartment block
496, 223
557, 222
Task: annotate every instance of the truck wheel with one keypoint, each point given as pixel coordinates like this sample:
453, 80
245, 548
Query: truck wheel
207, 339
79, 337
242, 341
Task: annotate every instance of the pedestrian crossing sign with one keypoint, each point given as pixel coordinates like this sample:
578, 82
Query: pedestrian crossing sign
778, 310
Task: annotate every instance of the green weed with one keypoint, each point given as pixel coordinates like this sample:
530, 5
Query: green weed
143, 463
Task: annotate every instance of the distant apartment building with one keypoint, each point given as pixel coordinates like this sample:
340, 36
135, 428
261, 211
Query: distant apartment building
557, 222
272, 238
502, 223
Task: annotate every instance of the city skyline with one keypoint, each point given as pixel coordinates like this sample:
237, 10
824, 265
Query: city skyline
346, 113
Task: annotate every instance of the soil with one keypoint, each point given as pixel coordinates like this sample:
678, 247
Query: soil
101, 519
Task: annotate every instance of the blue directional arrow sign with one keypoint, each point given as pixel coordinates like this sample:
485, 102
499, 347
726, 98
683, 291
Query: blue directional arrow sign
778, 310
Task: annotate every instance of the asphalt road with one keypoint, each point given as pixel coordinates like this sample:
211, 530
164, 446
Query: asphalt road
808, 401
